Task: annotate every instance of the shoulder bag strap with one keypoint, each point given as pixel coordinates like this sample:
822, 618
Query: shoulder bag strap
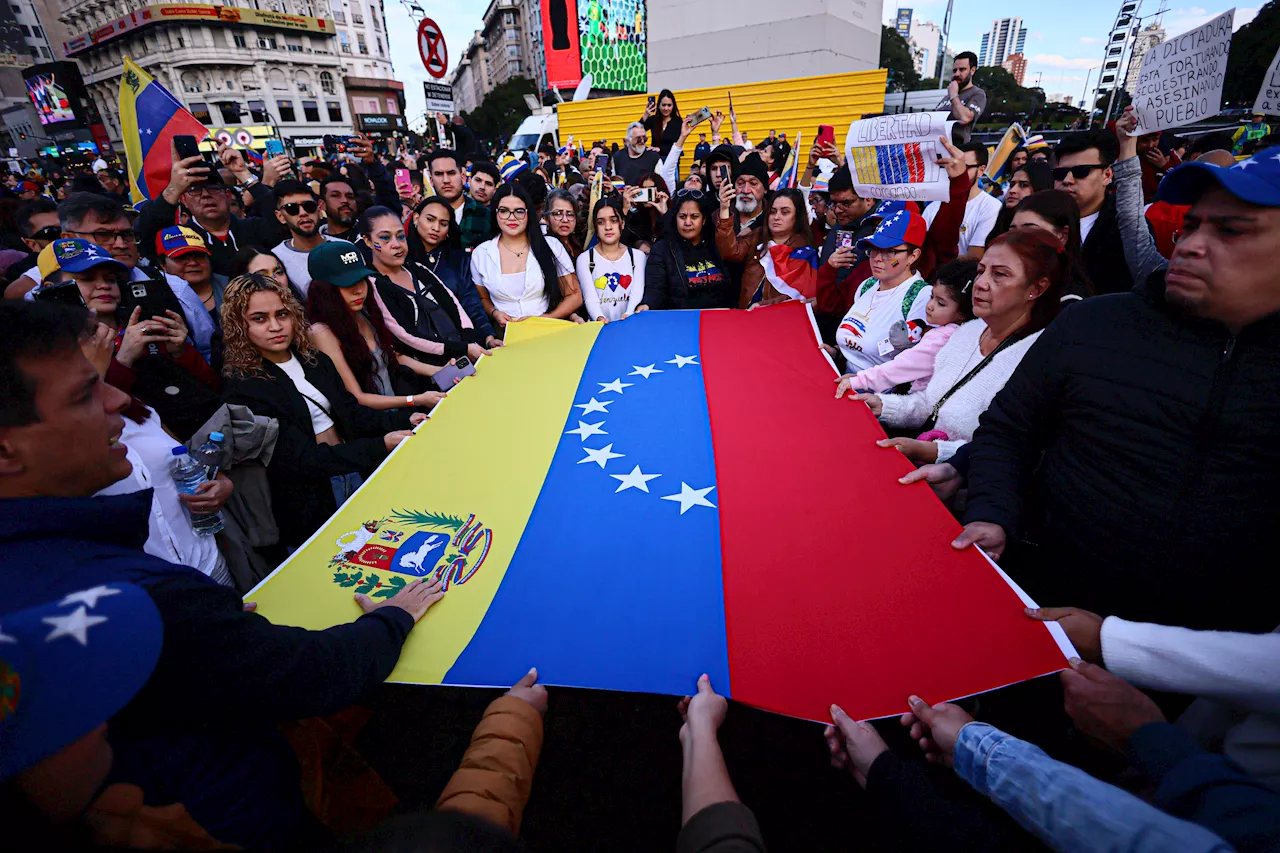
932, 420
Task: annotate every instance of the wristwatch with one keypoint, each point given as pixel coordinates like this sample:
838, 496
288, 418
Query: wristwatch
253, 179
408, 399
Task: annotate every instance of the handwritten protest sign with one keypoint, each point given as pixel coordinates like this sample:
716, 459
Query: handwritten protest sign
1268, 102
1181, 80
896, 156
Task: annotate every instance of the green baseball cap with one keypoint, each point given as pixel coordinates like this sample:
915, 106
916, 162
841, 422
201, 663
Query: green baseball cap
337, 262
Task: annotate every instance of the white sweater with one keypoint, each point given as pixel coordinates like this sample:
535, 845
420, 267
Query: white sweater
1236, 676
958, 417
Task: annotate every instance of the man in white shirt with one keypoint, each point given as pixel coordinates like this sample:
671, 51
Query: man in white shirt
297, 208
981, 210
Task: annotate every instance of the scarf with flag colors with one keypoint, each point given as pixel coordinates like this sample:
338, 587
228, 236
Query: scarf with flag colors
511, 167
150, 117
644, 526
998, 163
790, 176
792, 272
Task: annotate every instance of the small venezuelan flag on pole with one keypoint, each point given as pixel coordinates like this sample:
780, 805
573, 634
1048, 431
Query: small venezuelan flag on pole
790, 177
149, 119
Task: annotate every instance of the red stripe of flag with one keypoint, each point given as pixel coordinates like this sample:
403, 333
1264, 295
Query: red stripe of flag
840, 584
915, 162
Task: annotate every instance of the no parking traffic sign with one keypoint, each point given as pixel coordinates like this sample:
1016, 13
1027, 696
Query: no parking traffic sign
435, 56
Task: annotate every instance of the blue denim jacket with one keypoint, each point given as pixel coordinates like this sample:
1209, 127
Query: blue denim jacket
1065, 807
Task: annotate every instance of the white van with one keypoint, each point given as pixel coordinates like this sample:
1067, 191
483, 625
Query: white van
542, 126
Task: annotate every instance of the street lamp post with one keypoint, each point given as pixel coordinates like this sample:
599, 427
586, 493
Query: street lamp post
1084, 96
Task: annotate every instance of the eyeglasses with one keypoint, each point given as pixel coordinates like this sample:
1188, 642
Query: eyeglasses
513, 212
106, 236
877, 252
1077, 172
49, 232
844, 204
559, 214
292, 208
205, 189
696, 195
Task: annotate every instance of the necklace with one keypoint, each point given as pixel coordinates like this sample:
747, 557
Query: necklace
512, 251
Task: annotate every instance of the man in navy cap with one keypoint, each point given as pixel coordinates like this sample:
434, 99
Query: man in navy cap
230, 671
1135, 445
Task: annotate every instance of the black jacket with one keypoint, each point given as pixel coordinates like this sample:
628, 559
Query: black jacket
1103, 253
666, 282
1138, 446
262, 231
301, 496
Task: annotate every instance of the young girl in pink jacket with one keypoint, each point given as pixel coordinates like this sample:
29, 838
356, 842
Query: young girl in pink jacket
950, 305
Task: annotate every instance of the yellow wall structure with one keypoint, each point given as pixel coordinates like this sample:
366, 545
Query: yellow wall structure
796, 105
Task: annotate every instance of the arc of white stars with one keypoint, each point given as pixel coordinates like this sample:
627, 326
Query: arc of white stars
637, 479
690, 497
616, 385
601, 457
586, 430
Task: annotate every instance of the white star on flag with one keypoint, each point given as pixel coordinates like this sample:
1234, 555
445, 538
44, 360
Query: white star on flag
593, 406
1244, 164
637, 479
601, 456
586, 430
88, 597
691, 497
615, 385
75, 624
5, 638
682, 360
646, 372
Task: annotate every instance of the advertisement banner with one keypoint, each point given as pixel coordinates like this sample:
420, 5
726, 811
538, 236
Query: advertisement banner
564, 59
903, 24
56, 90
169, 13
614, 42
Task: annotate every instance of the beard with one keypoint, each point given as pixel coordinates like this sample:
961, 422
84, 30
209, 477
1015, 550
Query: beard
307, 233
635, 150
746, 204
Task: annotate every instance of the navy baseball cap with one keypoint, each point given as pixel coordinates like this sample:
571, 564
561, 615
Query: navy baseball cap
68, 666
337, 262
1255, 181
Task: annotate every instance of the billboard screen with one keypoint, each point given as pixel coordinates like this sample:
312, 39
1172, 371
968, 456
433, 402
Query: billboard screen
50, 97
559, 36
904, 23
614, 44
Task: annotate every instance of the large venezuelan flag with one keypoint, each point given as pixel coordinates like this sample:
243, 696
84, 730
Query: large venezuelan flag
631, 505
149, 119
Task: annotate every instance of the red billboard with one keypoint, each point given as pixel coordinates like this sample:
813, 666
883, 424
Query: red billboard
560, 37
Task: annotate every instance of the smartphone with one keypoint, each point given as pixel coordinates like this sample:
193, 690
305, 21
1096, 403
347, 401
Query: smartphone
62, 292
644, 195
339, 144
404, 184
446, 376
844, 239
722, 170
652, 100
730, 102
275, 148
153, 297
701, 115
826, 135
186, 146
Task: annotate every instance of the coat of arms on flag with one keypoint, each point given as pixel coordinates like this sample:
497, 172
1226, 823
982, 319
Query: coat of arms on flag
410, 544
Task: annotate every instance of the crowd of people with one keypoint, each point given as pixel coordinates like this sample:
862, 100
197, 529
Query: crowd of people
1082, 358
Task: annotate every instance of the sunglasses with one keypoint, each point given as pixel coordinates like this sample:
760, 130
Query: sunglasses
1077, 172
292, 208
696, 195
49, 232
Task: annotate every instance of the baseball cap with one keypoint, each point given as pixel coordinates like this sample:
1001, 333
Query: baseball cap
1256, 180
337, 262
178, 240
73, 255
67, 666
900, 226
888, 208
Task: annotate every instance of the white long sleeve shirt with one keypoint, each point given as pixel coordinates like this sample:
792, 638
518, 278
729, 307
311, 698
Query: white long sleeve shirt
958, 417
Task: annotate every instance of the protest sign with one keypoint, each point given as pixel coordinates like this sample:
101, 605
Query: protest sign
1181, 80
896, 156
1268, 102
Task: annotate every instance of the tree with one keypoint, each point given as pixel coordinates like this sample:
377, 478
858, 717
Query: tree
502, 109
1004, 96
931, 83
896, 58
1253, 47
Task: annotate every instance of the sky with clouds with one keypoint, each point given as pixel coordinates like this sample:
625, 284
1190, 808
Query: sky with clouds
1061, 47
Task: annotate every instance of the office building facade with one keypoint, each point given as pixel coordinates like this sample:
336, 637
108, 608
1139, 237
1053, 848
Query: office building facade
1006, 36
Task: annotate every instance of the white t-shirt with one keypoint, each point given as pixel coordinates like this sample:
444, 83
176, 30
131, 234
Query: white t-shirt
1086, 225
863, 335
295, 263
979, 218
615, 289
518, 294
320, 420
170, 535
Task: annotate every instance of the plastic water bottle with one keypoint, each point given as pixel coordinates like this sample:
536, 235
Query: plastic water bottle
209, 454
187, 476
